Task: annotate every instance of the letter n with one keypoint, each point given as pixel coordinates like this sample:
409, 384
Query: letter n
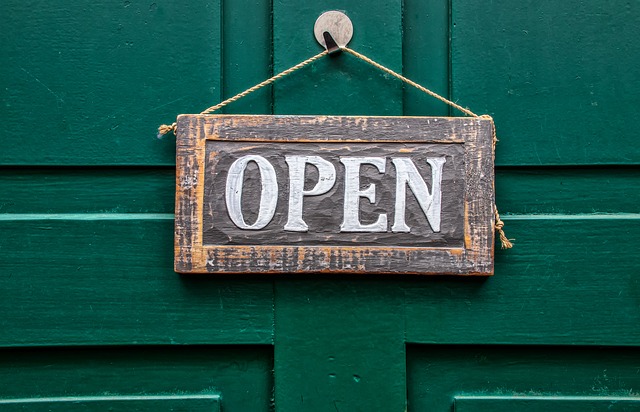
431, 203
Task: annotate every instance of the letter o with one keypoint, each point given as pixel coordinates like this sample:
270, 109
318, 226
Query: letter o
268, 196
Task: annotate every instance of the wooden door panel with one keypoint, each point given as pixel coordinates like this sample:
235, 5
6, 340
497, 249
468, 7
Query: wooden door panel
522, 378
546, 403
86, 252
567, 282
343, 85
247, 55
99, 279
178, 403
88, 83
426, 55
193, 378
338, 340
339, 344
565, 191
56, 190
554, 75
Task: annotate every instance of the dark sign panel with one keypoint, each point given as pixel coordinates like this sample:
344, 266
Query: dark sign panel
277, 194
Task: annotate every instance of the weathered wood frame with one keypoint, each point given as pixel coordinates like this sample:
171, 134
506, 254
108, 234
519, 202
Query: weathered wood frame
474, 258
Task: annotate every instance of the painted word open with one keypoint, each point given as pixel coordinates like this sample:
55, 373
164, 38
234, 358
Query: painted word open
406, 175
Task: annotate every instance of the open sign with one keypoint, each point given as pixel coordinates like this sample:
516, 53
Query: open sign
344, 194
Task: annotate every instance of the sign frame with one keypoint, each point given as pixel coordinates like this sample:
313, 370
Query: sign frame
475, 257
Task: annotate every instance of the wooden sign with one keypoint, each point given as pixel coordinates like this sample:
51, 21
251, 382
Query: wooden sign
272, 194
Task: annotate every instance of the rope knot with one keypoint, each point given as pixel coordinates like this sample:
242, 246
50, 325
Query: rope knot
166, 128
504, 241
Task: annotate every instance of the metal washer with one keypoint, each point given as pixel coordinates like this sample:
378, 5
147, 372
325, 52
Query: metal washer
337, 24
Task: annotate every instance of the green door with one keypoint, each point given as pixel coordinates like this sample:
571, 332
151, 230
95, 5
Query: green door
93, 316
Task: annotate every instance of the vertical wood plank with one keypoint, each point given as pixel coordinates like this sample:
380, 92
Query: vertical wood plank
425, 55
339, 84
246, 54
339, 346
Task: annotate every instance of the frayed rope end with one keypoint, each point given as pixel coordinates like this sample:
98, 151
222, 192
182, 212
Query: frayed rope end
166, 128
504, 241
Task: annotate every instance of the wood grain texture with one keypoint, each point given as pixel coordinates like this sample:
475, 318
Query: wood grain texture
539, 403
247, 55
338, 85
568, 190
425, 55
561, 93
89, 83
571, 280
110, 282
194, 256
87, 190
326, 129
536, 190
193, 403
522, 378
225, 373
86, 255
339, 345
324, 213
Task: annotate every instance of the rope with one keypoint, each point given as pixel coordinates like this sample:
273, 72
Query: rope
408, 81
166, 128
499, 224
504, 241
265, 83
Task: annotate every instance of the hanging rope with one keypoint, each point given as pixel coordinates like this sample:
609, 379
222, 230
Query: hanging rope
165, 128
499, 224
265, 83
410, 82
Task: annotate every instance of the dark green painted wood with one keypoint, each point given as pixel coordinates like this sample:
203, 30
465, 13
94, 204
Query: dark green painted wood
569, 280
425, 55
311, 372
87, 190
342, 85
555, 75
193, 403
108, 279
89, 83
330, 353
241, 375
437, 375
74, 277
548, 403
568, 191
246, 54
338, 346
152, 190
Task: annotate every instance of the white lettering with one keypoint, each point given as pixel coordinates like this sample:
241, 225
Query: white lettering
326, 180
268, 196
352, 195
431, 203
